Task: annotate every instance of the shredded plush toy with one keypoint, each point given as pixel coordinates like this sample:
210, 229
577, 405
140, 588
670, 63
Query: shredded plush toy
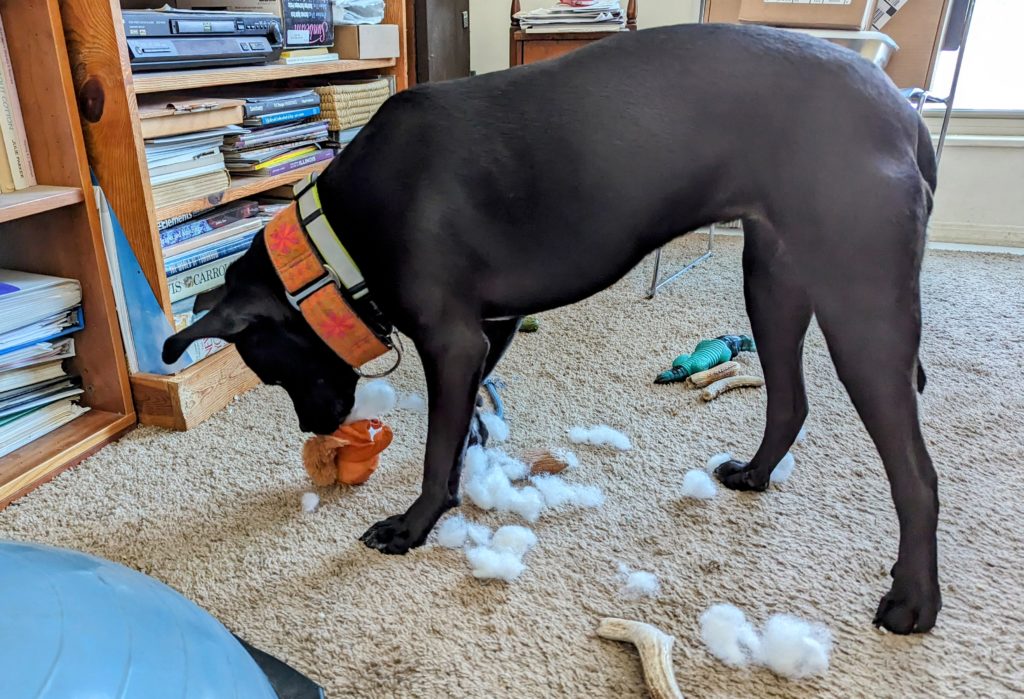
352, 453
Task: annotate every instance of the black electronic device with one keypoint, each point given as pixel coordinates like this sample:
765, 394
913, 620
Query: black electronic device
172, 40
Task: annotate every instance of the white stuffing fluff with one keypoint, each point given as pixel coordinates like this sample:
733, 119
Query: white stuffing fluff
729, 636
451, 533
784, 469
698, 484
310, 501
478, 534
795, 648
790, 647
374, 399
488, 485
638, 583
513, 539
600, 436
413, 402
567, 457
801, 436
717, 460
557, 493
497, 429
515, 469
487, 564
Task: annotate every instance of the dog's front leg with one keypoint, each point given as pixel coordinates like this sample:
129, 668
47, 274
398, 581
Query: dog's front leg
453, 362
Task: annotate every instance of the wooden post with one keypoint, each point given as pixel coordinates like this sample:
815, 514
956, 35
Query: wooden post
106, 99
513, 45
394, 13
631, 11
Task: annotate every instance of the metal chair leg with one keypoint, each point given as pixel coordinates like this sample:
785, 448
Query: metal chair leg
655, 284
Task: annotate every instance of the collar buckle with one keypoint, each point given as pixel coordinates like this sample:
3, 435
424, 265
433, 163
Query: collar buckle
330, 277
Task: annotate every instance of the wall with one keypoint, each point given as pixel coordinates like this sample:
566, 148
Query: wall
489, 22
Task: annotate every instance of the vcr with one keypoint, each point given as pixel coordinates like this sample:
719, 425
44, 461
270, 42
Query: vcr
159, 40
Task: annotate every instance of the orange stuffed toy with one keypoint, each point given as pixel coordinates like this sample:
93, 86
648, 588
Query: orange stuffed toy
352, 453
348, 456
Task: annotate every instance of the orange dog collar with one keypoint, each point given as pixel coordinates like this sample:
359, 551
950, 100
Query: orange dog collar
323, 282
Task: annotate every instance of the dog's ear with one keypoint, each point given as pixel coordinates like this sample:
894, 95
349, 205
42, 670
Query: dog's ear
208, 299
221, 321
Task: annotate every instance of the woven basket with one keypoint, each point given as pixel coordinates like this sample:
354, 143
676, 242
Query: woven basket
352, 104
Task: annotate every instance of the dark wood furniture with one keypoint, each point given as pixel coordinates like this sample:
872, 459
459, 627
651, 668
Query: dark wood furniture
536, 46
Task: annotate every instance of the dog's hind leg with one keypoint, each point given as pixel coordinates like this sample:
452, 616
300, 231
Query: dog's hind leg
453, 357
779, 313
870, 314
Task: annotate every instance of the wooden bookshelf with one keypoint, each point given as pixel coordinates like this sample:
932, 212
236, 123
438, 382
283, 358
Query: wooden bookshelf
54, 229
36, 200
241, 187
166, 81
107, 94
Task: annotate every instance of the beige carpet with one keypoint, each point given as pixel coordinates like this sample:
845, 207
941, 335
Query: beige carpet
215, 513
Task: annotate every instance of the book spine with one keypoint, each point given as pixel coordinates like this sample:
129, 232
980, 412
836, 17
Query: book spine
172, 222
282, 117
319, 156
11, 123
203, 278
194, 229
193, 260
282, 105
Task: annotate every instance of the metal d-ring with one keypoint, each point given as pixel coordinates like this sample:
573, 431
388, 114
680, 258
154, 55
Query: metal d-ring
398, 347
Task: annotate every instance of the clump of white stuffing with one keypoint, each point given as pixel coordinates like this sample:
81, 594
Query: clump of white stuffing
697, 484
497, 429
790, 647
413, 402
566, 456
717, 460
801, 436
310, 501
784, 469
455, 531
557, 493
488, 564
373, 399
515, 469
729, 636
795, 648
600, 436
514, 539
638, 583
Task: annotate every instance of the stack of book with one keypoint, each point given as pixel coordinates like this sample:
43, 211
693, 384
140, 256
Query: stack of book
198, 252
37, 395
300, 56
16, 170
183, 136
574, 16
282, 134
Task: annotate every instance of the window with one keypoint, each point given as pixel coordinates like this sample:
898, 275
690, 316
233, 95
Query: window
992, 74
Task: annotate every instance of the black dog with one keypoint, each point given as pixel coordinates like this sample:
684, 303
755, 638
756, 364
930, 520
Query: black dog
468, 204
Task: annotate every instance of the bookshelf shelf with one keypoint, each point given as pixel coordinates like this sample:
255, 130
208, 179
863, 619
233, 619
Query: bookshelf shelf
166, 81
108, 91
36, 200
45, 458
54, 229
241, 187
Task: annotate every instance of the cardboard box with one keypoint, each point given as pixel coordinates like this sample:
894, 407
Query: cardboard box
816, 14
305, 23
366, 41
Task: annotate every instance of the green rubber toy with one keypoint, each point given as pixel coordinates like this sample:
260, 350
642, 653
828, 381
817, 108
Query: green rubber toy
707, 354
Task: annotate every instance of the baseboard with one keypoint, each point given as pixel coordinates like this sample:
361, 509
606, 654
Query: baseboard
976, 234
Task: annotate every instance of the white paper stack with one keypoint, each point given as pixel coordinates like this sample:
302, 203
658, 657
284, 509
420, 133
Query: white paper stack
581, 16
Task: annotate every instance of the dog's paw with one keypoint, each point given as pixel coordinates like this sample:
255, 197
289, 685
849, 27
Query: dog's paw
392, 536
911, 606
737, 475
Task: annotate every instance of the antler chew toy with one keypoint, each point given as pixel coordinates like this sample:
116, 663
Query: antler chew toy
719, 387
655, 648
706, 378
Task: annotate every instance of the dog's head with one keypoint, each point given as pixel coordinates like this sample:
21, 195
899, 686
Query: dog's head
274, 340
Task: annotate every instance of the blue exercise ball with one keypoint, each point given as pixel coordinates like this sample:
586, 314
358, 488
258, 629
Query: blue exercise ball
74, 626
